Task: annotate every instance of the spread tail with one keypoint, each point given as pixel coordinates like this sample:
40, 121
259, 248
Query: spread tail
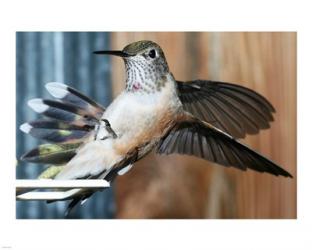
70, 120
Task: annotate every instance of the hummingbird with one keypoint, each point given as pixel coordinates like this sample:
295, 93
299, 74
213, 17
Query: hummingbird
155, 111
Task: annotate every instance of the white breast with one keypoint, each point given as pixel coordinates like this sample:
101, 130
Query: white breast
131, 115
132, 112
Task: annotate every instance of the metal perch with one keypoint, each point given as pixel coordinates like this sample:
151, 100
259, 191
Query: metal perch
24, 187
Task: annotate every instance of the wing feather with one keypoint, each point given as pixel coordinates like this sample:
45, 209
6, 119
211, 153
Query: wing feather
235, 109
197, 138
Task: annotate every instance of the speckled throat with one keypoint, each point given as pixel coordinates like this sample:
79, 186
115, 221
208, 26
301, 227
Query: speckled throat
143, 77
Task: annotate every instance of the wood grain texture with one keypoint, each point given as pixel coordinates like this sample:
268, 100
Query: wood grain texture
187, 187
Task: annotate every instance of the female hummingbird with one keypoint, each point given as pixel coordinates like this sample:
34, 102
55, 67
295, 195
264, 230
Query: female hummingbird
155, 111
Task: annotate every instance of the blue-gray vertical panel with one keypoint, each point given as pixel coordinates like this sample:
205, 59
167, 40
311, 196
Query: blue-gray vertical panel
65, 57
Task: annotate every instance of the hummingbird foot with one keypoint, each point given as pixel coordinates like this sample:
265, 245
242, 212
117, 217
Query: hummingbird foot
109, 130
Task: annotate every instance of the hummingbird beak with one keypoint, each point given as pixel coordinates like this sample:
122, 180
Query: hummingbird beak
112, 52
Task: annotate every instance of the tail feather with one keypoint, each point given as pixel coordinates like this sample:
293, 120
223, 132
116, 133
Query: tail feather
50, 172
78, 199
74, 117
52, 134
71, 95
56, 154
108, 176
72, 120
48, 107
60, 114
54, 124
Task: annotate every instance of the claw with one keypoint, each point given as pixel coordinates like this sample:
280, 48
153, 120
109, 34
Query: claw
109, 128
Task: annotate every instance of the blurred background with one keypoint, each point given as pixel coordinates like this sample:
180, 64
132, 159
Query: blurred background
170, 186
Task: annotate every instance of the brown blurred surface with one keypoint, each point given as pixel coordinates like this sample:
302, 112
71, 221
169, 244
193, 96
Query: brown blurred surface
187, 187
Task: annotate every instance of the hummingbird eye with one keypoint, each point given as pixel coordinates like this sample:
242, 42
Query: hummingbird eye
152, 53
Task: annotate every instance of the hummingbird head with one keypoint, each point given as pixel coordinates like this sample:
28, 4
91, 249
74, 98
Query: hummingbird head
146, 66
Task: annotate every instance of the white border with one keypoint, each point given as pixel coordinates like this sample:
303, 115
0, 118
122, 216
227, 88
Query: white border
265, 15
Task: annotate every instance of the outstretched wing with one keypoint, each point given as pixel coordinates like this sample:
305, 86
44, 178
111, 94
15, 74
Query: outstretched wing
232, 108
202, 140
